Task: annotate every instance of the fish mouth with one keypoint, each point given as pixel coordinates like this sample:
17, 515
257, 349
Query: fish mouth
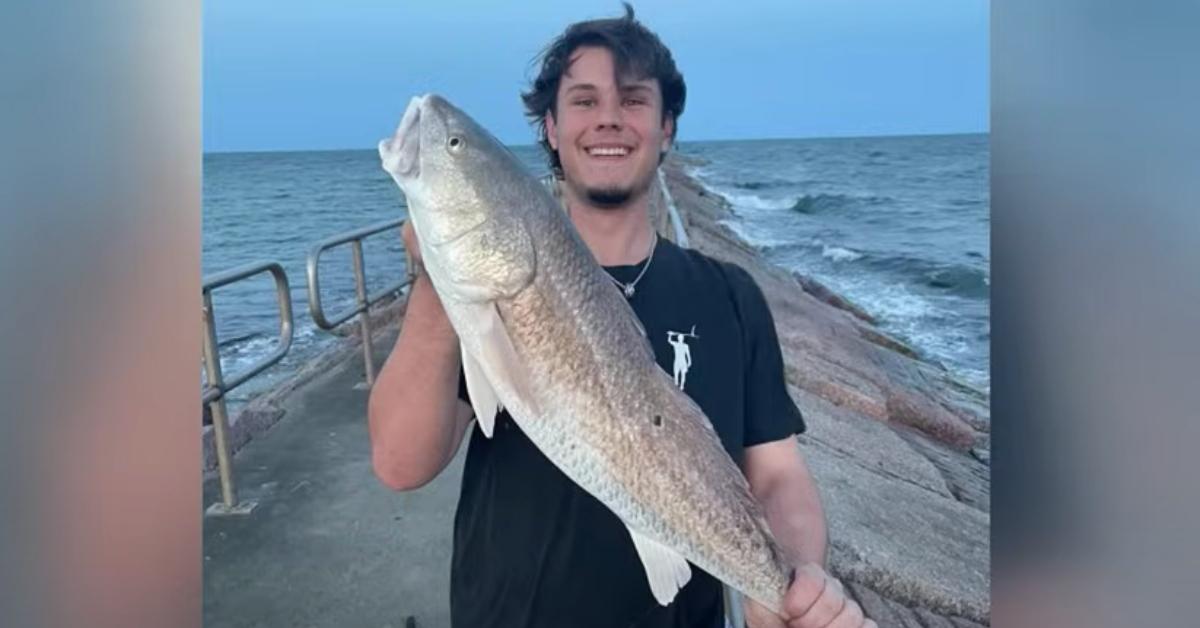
401, 152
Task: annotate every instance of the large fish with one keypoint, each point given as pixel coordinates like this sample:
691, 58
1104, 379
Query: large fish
546, 335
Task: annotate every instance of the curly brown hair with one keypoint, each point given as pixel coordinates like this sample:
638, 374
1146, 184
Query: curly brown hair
637, 52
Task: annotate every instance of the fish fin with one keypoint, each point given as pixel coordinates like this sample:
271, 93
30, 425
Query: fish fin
498, 358
483, 398
666, 570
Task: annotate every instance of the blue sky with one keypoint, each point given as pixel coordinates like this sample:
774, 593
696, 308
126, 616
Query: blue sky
324, 75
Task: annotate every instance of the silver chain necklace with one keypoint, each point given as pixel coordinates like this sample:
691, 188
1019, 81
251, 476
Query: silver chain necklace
629, 288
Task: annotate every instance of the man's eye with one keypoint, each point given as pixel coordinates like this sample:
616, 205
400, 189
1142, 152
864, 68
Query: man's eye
584, 102
630, 102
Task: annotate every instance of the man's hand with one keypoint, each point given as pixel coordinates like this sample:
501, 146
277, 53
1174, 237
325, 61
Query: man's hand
814, 600
413, 247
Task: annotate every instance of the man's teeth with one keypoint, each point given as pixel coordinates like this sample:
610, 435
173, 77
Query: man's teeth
608, 152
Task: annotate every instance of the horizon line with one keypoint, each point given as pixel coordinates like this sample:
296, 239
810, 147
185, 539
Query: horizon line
694, 141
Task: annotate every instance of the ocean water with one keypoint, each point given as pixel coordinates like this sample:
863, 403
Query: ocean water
275, 206
898, 225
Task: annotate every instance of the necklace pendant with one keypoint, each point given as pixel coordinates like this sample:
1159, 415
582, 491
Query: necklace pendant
629, 291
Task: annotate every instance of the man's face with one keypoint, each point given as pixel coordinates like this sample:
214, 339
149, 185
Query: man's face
608, 134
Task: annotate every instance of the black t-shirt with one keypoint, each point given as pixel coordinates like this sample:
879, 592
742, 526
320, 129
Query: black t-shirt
531, 548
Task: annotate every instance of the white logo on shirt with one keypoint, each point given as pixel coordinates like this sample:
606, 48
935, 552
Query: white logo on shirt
683, 354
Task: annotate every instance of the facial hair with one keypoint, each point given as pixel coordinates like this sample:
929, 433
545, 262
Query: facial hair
609, 198
618, 197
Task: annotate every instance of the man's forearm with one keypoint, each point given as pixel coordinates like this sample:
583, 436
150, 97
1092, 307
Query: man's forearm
797, 521
413, 409
784, 486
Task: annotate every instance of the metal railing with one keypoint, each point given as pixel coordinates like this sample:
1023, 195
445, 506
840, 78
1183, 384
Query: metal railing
681, 237
217, 387
363, 301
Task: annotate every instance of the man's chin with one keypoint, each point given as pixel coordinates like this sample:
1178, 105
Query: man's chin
609, 197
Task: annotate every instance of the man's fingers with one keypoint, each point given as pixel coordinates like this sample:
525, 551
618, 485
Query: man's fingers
850, 617
412, 246
808, 584
827, 606
757, 615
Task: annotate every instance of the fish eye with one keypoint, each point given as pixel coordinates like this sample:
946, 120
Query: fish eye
456, 143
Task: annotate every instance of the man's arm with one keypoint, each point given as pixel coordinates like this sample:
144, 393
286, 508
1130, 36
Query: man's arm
781, 482
415, 418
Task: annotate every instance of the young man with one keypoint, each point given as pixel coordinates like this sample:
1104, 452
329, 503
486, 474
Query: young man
530, 547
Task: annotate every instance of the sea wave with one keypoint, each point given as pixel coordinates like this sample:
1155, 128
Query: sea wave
958, 279
756, 202
840, 254
823, 203
763, 185
753, 237
805, 203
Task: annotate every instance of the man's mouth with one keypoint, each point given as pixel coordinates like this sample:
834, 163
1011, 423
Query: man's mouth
609, 151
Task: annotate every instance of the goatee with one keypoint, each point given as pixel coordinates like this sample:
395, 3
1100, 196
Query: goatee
609, 197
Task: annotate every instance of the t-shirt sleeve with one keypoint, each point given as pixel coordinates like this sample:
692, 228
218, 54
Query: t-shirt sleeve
771, 414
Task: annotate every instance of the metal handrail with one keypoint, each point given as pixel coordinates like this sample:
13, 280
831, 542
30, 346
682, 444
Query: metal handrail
284, 297
363, 301
217, 387
681, 237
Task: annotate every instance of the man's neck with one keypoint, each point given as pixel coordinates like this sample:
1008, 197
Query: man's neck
616, 236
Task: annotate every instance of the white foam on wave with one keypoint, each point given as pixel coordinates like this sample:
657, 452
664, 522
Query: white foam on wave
737, 199
239, 356
907, 315
755, 202
895, 301
750, 235
840, 254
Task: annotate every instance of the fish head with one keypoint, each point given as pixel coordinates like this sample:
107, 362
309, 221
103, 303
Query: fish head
453, 172
468, 196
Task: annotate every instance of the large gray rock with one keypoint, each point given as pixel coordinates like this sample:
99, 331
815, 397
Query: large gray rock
968, 478
867, 443
902, 540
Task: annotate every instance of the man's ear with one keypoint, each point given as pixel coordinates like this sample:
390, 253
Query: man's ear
551, 130
668, 132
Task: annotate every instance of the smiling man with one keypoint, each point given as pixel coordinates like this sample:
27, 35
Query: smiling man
531, 548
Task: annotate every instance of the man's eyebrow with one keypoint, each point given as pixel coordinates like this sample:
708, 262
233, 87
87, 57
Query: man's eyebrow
632, 87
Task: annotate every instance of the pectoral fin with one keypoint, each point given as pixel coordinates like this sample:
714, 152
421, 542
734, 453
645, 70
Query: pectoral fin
483, 398
666, 570
496, 363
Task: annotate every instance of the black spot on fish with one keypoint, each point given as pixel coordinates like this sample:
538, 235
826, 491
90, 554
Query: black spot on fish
657, 420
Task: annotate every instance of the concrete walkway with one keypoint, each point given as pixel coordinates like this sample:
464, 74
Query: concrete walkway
328, 545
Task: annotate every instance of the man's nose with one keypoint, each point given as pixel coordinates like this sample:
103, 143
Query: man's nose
609, 114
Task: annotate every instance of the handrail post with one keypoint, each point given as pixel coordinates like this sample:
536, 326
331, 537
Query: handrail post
364, 317
363, 299
212, 365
